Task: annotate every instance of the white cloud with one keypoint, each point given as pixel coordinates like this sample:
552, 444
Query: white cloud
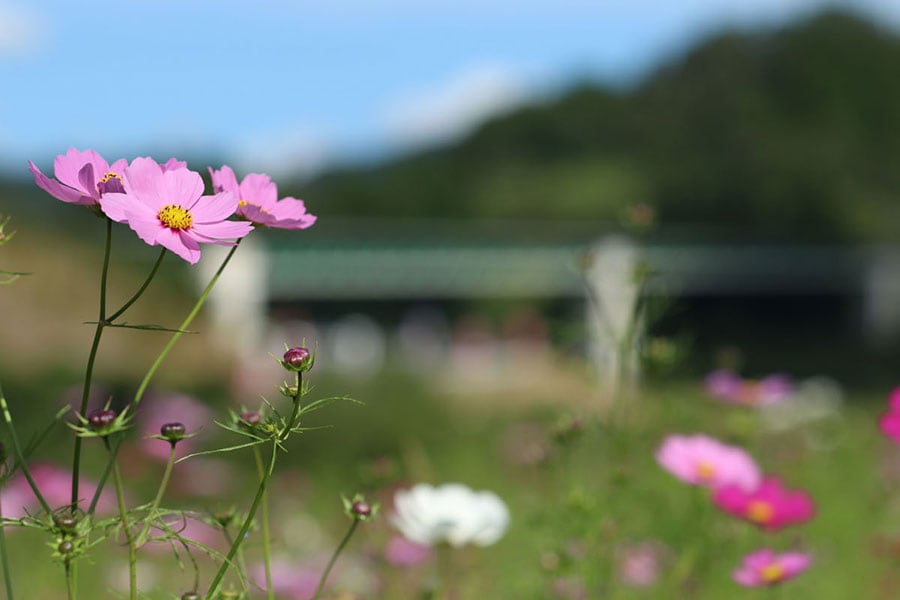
453, 107
21, 30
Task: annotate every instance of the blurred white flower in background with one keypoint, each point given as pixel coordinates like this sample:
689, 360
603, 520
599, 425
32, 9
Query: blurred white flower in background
451, 513
814, 401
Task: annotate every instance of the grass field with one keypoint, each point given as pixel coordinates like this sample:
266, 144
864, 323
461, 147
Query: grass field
580, 507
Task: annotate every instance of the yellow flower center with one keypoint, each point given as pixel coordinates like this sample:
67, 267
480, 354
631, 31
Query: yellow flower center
110, 175
772, 573
175, 216
760, 512
705, 471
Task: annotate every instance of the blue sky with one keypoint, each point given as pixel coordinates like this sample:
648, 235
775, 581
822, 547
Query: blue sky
290, 86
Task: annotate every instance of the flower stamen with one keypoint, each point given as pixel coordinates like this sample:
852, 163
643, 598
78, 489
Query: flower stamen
772, 573
760, 512
175, 216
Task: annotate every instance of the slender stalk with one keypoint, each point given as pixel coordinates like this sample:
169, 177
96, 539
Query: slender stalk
4, 558
70, 581
267, 547
159, 494
181, 328
17, 450
89, 369
155, 366
140, 291
296, 410
263, 483
334, 558
123, 512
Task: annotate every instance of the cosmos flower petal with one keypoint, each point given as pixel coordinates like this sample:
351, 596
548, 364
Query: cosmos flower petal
258, 189
144, 179
212, 209
66, 167
58, 190
224, 180
223, 229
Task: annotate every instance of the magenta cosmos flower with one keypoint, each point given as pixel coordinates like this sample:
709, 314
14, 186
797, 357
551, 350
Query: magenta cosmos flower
81, 177
703, 460
890, 421
770, 506
764, 567
167, 207
258, 200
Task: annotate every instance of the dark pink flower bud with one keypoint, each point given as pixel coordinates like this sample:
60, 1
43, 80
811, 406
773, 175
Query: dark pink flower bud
251, 417
65, 523
101, 418
361, 508
173, 432
297, 359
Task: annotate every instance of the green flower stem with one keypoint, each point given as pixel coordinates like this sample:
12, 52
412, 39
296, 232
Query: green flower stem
142, 536
89, 369
155, 366
296, 410
267, 546
334, 558
263, 484
123, 512
70, 581
4, 558
181, 328
140, 291
17, 450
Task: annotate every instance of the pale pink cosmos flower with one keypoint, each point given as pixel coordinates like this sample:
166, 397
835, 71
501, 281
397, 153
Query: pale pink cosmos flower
258, 200
289, 580
81, 177
703, 460
401, 552
168, 208
55, 484
889, 423
770, 506
765, 567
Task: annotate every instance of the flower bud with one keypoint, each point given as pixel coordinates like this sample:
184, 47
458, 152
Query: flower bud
297, 359
66, 547
250, 418
361, 509
65, 523
101, 419
173, 432
190, 596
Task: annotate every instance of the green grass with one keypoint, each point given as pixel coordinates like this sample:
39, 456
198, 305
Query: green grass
572, 514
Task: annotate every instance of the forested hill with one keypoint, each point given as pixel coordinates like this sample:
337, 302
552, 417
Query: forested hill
788, 133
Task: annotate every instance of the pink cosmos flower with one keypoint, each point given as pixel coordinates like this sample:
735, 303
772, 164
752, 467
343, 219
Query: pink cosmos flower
723, 384
289, 580
55, 484
890, 421
729, 387
258, 200
770, 506
166, 207
703, 460
402, 552
81, 177
764, 567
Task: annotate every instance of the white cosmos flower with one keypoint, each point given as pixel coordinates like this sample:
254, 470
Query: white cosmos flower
450, 513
